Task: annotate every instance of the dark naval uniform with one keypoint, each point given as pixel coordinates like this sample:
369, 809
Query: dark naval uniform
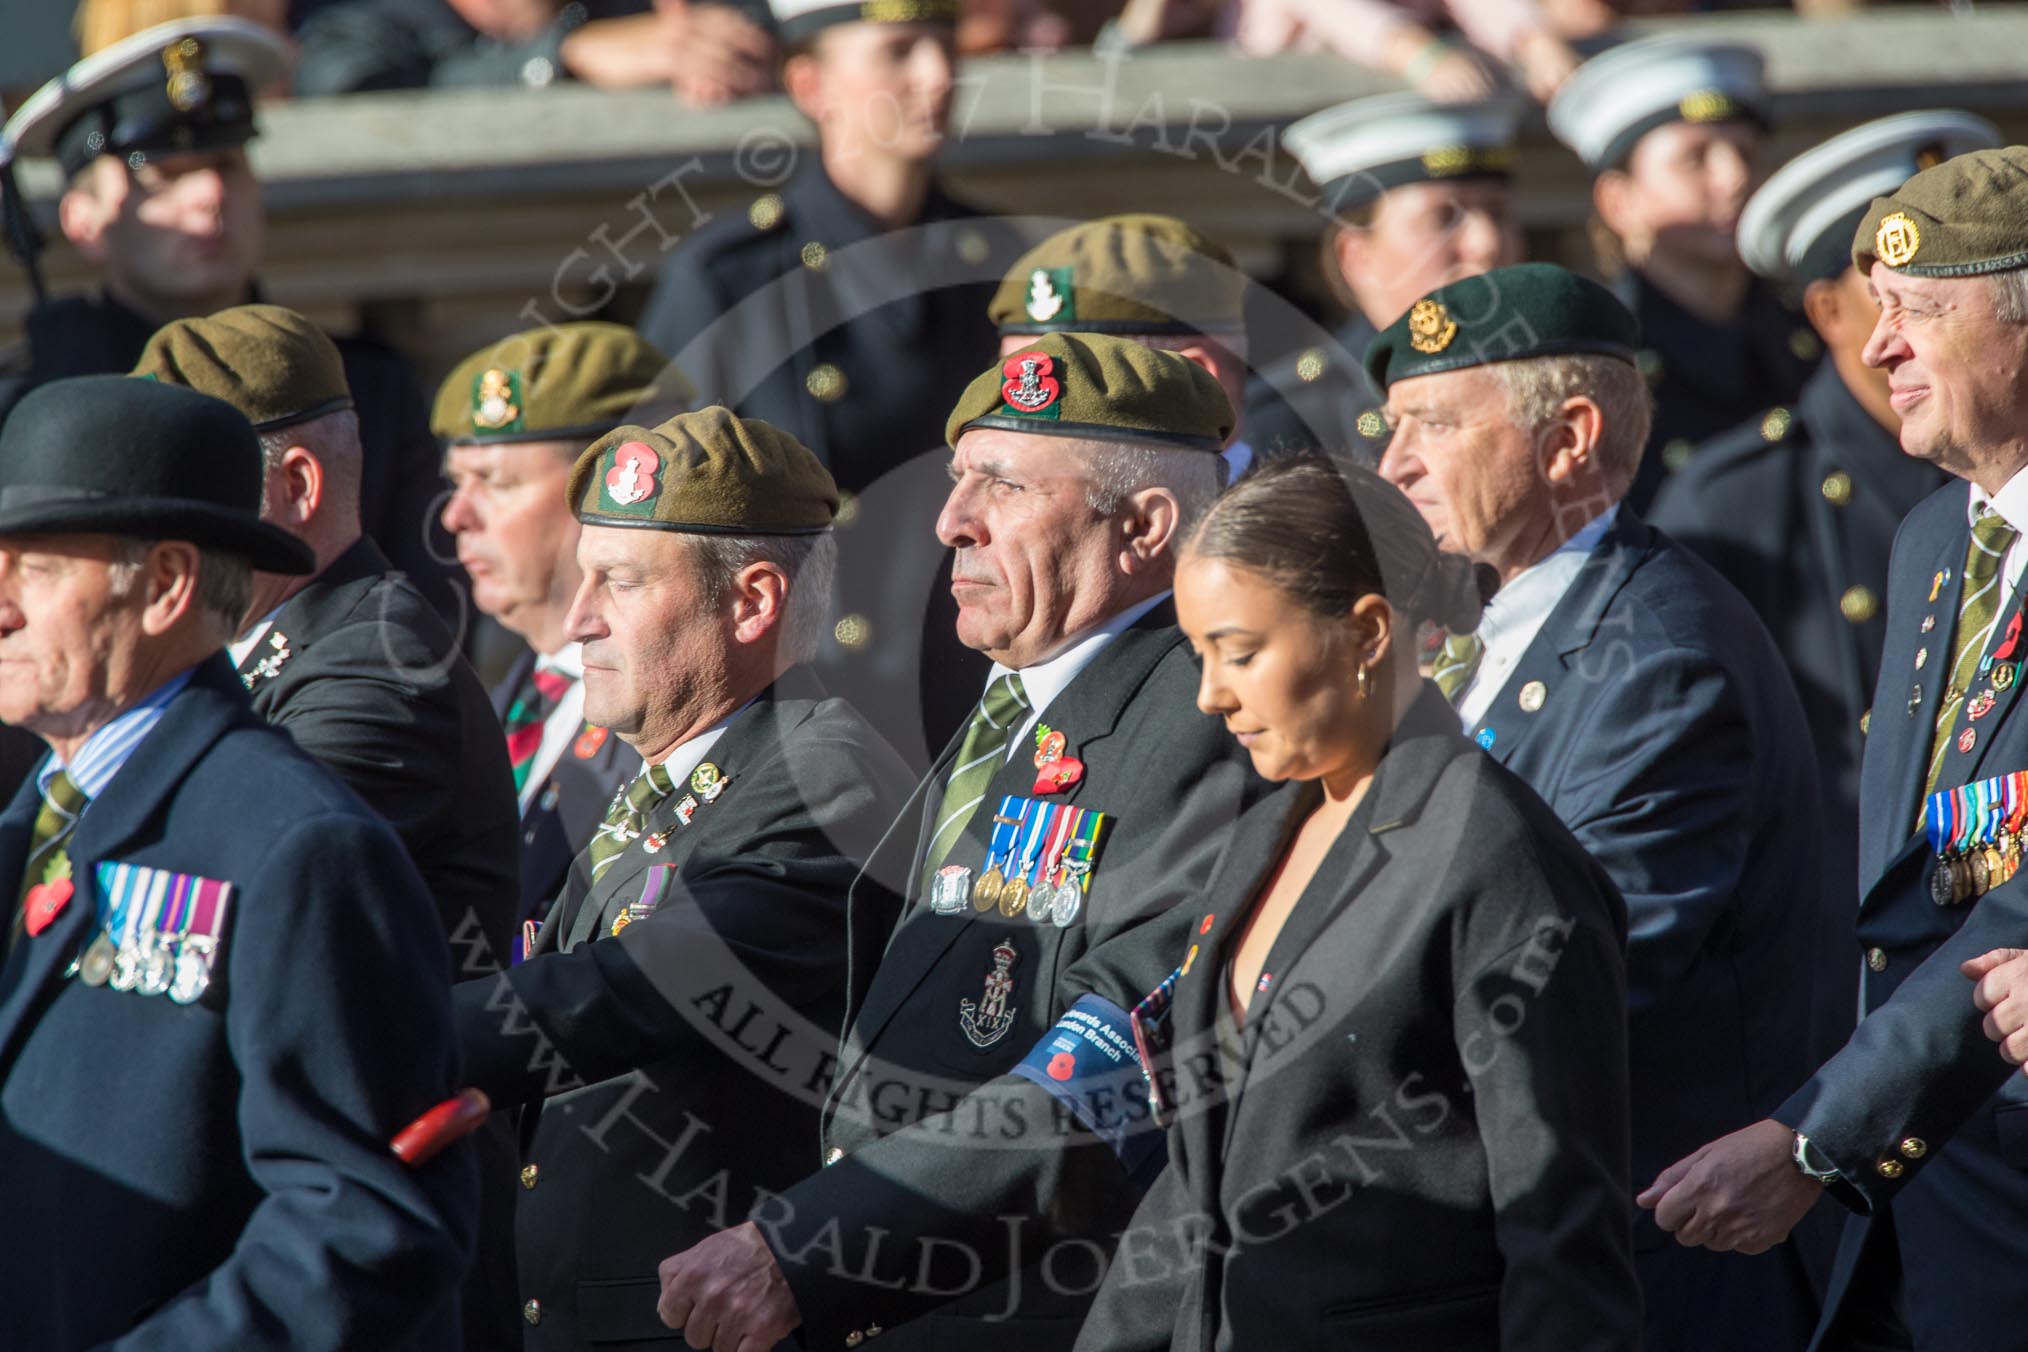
673, 1030
216, 1173
927, 1136
806, 315
1798, 509
1321, 398
399, 477
559, 820
1708, 378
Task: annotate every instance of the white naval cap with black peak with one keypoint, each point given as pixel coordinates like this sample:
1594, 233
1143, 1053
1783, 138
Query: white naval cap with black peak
1611, 101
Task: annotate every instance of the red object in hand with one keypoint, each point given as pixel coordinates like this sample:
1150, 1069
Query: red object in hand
1059, 775
45, 902
448, 1122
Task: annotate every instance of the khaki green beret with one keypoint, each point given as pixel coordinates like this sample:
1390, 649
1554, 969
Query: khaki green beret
1098, 388
270, 363
1123, 274
564, 382
704, 473
1966, 216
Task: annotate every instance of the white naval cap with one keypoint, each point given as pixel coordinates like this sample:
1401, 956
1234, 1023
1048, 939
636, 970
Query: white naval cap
796, 20
1798, 227
1623, 93
1358, 150
183, 85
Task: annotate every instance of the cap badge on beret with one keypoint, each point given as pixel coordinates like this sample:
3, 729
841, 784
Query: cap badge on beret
1430, 327
1051, 293
1896, 239
1709, 105
188, 86
631, 480
1031, 390
496, 400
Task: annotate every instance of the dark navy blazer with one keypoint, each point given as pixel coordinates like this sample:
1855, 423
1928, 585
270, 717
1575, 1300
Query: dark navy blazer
1669, 739
217, 1174
1908, 1110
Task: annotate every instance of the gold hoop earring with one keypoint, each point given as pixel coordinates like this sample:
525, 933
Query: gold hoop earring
1360, 681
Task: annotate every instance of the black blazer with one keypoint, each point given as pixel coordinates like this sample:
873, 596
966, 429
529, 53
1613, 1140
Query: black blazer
365, 677
217, 1174
1425, 1143
566, 810
673, 1071
912, 1158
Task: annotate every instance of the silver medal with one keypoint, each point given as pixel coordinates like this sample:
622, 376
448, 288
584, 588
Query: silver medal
950, 889
1069, 901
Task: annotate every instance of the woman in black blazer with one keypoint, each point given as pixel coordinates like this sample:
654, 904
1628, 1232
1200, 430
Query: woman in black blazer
1392, 1060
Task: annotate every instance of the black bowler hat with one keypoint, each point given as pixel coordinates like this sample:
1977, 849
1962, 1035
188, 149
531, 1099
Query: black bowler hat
118, 455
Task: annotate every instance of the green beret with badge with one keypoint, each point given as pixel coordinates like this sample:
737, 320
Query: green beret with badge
1098, 388
561, 382
1123, 274
1965, 217
267, 361
1508, 314
710, 472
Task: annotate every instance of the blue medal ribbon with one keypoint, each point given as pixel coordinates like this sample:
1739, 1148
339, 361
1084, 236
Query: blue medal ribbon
1006, 822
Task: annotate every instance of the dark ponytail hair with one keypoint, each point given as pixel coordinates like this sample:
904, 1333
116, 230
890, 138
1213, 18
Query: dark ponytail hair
1328, 532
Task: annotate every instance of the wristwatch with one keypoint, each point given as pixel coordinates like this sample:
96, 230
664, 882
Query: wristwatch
1810, 1161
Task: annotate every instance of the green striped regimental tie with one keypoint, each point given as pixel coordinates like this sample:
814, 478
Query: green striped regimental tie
629, 816
1978, 611
1456, 663
979, 755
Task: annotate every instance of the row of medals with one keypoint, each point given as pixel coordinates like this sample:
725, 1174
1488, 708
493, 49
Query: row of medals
150, 966
1045, 904
1974, 871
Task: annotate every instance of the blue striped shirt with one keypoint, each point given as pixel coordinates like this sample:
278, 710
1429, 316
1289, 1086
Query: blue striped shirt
107, 749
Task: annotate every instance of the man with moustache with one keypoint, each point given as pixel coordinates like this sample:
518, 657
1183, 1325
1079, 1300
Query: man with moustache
959, 1145
1414, 194
514, 418
1633, 689
1904, 1125
666, 1032
1799, 507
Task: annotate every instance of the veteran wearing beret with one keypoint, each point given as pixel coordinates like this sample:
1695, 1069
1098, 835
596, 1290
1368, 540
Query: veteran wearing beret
1799, 506
1670, 129
1904, 1125
514, 418
672, 1029
150, 134
224, 983
1412, 194
1035, 875
1634, 689
354, 664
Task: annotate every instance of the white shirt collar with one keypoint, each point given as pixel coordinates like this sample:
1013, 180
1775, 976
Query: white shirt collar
2010, 502
1045, 680
688, 755
1532, 595
567, 661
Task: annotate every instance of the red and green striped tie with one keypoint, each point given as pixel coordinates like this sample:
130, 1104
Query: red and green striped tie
532, 704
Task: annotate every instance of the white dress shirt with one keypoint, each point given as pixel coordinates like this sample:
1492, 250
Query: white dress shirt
1046, 680
2011, 502
565, 721
1517, 613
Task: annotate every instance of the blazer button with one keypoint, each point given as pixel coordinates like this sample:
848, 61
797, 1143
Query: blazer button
1858, 604
529, 1173
854, 1338
1890, 1168
1876, 960
1837, 488
1914, 1148
532, 1312
873, 1330
832, 1156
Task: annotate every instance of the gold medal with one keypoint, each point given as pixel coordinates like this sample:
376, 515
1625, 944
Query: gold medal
1014, 898
1975, 866
986, 891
